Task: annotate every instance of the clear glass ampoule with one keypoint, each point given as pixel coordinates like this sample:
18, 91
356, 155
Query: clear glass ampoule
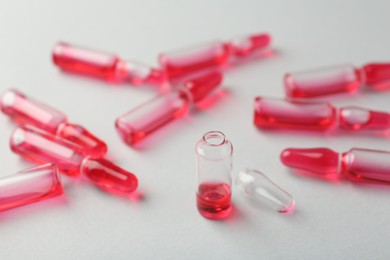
212, 55
40, 147
344, 78
141, 121
214, 167
357, 164
103, 65
26, 110
30, 185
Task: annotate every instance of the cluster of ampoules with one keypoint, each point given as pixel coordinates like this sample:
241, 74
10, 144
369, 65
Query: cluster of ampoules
298, 112
44, 135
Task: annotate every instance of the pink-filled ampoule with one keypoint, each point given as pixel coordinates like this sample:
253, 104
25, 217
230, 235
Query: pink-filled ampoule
357, 164
212, 55
25, 110
104, 65
30, 185
308, 115
214, 167
337, 79
42, 147
358, 118
294, 114
141, 121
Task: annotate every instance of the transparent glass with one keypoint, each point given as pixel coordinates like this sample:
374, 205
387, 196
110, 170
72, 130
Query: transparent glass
104, 65
357, 164
109, 176
214, 167
28, 186
194, 59
212, 55
136, 124
377, 75
324, 81
41, 147
25, 110
259, 187
357, 118
319, 160
366, 165
85, 61
248, 45
294, 114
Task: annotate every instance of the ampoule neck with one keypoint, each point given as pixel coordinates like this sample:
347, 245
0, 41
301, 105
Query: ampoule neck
77, 134
137, 73
202, 86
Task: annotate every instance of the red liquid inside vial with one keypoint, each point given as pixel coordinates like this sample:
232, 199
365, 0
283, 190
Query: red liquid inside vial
214, 200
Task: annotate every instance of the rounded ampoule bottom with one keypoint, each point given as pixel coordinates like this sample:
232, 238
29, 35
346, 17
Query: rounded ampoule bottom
214, 200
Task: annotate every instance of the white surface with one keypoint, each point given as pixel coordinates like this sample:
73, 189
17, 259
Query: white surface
332, 221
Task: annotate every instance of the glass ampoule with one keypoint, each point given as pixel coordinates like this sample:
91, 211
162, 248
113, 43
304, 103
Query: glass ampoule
138, 123
42, 147
214, 167
30, 185
357, 164
337, 79
359, 118
103, 65
294, 114
211, 55
258, 187
25, 110
322, 116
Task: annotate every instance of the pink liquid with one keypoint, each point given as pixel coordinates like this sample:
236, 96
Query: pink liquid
377, 75
214, 200
25, 110
294, 114
138, 123
325, 81
109, 176
41, 147
104, 65
319, 160
90, 62
357, 118
364, 165
29, 186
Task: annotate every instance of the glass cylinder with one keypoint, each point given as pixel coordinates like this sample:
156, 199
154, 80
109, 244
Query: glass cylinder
100, 64
138, 123
366, 165
358, 118
25, 110
30, 185
294, 114
42, 147
214, 167
323, 81
194, 59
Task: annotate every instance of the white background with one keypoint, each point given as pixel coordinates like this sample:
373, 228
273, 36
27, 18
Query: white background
332, 220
